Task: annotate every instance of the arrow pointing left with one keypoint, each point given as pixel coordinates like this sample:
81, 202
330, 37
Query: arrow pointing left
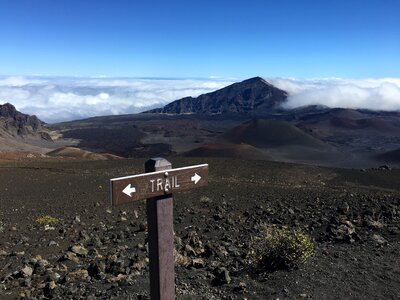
129, 190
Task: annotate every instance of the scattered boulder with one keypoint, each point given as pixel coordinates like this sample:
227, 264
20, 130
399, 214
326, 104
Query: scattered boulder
342, 231
379, 240
78, 275
27, 271
79, 250
221, 276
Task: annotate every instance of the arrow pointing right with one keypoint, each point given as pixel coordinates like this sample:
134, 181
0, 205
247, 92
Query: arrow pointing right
129, 190
196, 178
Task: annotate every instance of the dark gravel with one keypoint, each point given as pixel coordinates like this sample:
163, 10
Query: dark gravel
100, 252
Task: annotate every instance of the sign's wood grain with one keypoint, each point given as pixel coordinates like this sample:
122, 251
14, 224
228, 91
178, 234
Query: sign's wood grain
132, 188
157, 185
160, 221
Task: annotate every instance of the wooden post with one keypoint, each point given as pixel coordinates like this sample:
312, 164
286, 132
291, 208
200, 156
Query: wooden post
157, 185
161, 238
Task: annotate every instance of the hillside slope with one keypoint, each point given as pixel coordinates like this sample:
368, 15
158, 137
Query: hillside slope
73, 152
22, 132
254, 94
15, 123
262, 133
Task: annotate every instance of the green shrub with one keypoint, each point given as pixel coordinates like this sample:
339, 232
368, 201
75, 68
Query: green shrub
280, 248
47, 220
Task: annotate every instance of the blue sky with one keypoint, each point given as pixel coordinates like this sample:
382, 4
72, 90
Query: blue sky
97, 57
228, 39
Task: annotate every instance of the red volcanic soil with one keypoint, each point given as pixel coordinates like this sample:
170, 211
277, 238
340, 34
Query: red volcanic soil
73, 152
271, 133
100, 252
18, 155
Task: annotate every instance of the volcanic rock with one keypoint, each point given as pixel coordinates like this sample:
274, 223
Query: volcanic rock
212, 253
80, 250
221, 276
254, 94
343, 232
27, 271
379, 240
240, 288
70, 256
18, 122
79, 275
198, 263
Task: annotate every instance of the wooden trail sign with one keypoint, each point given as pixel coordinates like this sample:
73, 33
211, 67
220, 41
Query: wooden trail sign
157, 185
161, 182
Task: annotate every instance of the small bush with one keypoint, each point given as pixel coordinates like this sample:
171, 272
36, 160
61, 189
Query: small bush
47, 220
280, 248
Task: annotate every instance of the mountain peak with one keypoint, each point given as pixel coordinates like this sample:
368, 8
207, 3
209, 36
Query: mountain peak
7, 110
253, 94
17, 122
256, 79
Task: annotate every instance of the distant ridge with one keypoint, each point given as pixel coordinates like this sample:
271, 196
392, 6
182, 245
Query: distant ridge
254, 94
17, 123
21, 132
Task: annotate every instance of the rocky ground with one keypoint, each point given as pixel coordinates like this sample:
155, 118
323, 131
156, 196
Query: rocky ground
96, 251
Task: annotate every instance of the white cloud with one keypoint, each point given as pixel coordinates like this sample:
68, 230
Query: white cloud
375, 94
19, 81
55, 99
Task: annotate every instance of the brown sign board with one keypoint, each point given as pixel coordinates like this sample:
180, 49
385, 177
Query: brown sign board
147, 185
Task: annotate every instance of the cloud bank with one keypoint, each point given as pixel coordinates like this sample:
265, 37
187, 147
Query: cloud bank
374, 94
56, 99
